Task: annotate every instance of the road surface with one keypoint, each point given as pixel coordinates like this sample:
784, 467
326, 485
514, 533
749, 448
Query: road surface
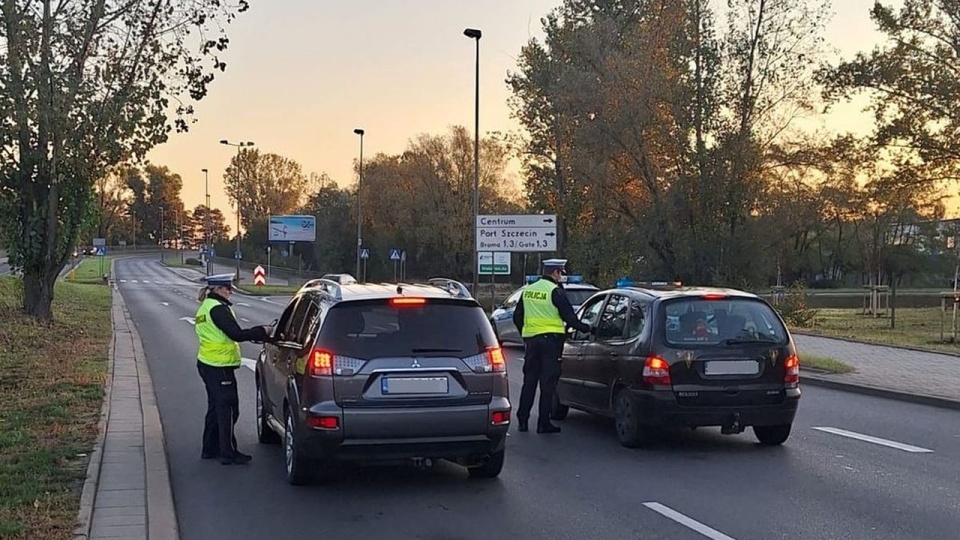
855, 467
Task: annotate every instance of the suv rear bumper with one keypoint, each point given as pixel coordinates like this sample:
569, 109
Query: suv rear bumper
660, 408
385, 434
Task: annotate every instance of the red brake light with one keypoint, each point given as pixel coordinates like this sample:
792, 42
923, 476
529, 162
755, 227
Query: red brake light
500, 418
714, 296
792, 374
497, 361
656, 371
405, 301
323, 422
321, 363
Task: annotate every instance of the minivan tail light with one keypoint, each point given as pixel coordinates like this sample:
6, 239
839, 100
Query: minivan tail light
500, 418
406, 301
792, 374
321, 363
656, 371
491, 361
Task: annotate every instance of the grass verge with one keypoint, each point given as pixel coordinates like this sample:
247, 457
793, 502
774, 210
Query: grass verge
915, 327
824, 363
268, 290
89, 270
51, 380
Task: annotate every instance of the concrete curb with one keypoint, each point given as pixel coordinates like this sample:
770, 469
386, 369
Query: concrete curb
161, 512
89, 494
922, 399
876, 344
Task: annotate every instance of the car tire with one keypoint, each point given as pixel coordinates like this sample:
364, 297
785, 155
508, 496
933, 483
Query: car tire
265, 434
772, 435
490, 469
630, 431
559, 411
298, 468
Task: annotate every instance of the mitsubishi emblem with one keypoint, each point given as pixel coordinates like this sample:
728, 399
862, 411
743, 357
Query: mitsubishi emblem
415, 363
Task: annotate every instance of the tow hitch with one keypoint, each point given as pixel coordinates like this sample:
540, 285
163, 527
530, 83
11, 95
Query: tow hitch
734, 427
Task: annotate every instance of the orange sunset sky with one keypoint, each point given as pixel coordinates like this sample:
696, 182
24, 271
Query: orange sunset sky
302, 74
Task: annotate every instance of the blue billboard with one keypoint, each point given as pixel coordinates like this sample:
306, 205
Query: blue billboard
293, 229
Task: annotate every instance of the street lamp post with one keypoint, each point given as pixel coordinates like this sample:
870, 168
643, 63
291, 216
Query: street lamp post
240, 146
161, 234
360, 132
206, 219
475, 34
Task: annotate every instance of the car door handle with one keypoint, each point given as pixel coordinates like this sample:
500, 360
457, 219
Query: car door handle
613, 354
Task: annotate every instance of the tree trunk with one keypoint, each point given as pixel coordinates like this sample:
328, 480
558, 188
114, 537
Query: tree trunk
38, 294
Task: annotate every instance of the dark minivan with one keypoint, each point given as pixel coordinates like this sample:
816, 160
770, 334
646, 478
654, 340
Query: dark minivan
682, 357
384, 373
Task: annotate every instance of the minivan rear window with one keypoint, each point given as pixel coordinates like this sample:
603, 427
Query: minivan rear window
376, 329
702, 321
579, 296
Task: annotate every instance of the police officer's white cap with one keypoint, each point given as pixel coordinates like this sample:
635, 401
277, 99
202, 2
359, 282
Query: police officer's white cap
220, 280
554, 264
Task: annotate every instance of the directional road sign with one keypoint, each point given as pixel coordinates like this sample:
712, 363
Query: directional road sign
527, 233
259, 276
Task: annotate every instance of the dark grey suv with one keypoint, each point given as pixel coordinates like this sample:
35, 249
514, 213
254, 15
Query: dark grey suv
383, 373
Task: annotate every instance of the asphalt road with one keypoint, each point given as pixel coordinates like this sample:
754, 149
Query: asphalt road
827, 482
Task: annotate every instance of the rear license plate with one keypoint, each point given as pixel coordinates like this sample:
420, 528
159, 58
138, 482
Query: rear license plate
414, 385
731, 367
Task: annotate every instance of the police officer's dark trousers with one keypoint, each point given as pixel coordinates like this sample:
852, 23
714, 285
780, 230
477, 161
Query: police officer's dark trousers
541, 366
223, 410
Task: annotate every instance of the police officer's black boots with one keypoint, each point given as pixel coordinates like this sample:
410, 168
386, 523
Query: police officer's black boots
548, 428
522, 424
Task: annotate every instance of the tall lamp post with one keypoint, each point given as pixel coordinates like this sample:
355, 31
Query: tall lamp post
475, 34
359, 132
206, 219
240, 146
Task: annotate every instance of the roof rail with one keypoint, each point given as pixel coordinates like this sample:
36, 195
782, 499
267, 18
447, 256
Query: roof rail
452, 286
330, 287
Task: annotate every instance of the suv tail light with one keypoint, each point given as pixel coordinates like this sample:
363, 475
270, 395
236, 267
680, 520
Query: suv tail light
401, 301
792, 374
491, 361
324, 363
656, 371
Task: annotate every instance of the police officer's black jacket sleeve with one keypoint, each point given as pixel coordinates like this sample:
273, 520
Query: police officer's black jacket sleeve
565, 308
223, 319
518, 316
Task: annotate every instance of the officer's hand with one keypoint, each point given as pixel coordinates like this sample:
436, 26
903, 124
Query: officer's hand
268, 330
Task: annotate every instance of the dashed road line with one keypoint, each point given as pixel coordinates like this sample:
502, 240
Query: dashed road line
244, 319
875, 440
189, 320
250, 364
688, 522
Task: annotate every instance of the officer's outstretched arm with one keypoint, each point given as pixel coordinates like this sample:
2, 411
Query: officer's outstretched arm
223, 319
565, 308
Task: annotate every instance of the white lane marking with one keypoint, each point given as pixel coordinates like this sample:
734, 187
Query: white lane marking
244, 319
189, 320
265, 299
250, 364
164, 303
690, 523
123, 281
243, 304
133, 281
874, 440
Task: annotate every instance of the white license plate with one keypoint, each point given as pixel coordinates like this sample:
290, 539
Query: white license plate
731, 367
414, 385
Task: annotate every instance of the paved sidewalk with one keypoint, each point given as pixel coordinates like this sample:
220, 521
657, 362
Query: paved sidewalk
907, 374
127, 493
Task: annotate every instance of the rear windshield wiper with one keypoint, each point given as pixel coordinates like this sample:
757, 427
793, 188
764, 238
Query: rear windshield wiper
426, 350
745, 341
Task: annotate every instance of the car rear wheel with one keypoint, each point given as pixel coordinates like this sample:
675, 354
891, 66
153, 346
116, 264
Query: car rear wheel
265, 434
298, 469
772, 435
559, 410
630, 431
490, 469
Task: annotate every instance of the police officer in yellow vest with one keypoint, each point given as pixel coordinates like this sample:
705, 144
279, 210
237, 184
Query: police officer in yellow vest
540, 316
217, 360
